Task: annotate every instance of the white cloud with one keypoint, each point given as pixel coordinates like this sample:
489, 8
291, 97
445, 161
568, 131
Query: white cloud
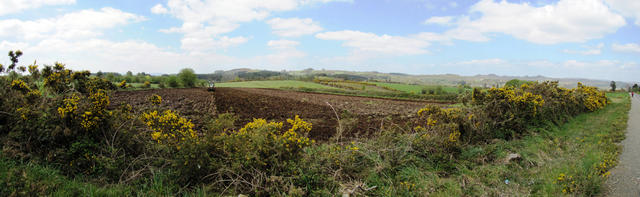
282, 44
495, 61
630, 47
159, 9
370, 42
285, 51
564, 21
440, 20
589, 50
209, 19
628, 8
293, 27
76, 25
16, 6
208, 44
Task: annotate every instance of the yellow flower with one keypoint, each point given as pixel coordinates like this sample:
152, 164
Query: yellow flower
155, 99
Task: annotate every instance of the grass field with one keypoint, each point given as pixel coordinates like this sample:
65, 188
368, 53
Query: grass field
276, 84
139, 85
414, 88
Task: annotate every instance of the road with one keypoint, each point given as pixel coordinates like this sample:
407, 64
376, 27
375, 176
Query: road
625, 178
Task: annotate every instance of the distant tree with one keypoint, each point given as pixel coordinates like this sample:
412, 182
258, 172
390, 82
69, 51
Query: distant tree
99, 73
516, 83
635, 87
111, 77
129, 77
172, 81
613, 86
187, 77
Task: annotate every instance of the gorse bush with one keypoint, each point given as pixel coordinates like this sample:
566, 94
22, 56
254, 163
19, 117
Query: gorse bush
65, 119
503, 113
168, 127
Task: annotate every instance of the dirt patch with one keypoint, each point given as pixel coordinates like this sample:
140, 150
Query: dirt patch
194, 103
353, 104
360, 116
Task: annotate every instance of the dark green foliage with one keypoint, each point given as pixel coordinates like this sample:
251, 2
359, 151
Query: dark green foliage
172, 81
14, 59
260, 75
613, 86
517, 83
187, 78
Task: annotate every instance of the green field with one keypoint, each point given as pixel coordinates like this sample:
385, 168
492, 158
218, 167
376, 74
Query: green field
276, 84
414, 88
139, 85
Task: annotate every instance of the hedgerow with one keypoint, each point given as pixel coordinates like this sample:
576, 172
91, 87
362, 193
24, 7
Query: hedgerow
63, 118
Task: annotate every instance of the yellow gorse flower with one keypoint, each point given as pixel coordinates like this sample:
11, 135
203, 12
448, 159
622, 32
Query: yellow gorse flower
168, 127
70, 105
155, 99
20, 85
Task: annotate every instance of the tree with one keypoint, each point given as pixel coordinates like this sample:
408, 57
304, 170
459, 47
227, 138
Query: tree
111, 77
517, 83
172, 81
613, 86
635, 87
187, 77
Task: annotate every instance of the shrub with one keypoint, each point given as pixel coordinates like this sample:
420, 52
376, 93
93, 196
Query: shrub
146, 84
172, 81
258, 150
155, 99
187, 77
169, 128
123, 84
57, 79
222, 123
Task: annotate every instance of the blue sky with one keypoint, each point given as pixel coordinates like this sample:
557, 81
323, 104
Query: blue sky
562, 38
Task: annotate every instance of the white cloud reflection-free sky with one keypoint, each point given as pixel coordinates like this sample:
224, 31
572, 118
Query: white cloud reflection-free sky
566, 38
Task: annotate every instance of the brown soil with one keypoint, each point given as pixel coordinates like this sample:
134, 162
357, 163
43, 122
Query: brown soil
196, 104
359, 115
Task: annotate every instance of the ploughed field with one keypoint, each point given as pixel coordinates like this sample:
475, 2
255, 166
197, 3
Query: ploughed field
360, 116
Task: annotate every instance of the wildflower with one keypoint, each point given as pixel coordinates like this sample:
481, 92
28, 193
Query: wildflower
20, 85
155, 99
454, 136
169, 127
69, 105
123, 84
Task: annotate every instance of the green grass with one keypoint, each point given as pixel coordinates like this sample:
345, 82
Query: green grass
22, 179
414, 88
276, 84
573, 149
139, 85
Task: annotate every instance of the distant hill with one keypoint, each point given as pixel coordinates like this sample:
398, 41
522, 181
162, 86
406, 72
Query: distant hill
442, 79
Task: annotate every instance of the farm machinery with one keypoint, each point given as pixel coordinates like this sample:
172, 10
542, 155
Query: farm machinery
212, 86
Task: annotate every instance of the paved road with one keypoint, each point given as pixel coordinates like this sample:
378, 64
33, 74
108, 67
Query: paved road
625, 178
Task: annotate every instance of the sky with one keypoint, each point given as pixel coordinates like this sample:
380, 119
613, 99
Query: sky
597, 39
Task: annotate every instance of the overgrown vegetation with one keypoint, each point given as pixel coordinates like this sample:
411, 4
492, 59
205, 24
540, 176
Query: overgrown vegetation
58, 135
